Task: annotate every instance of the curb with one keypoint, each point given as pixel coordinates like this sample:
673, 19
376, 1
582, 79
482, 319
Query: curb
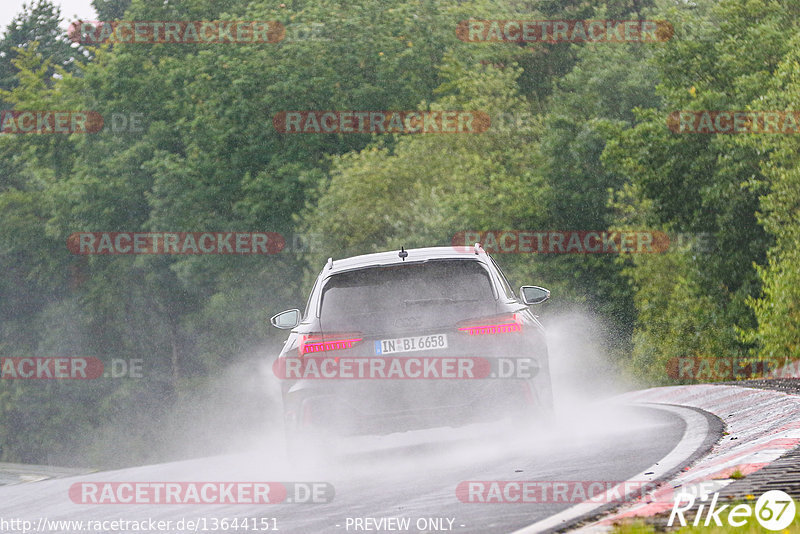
11, 473
761, 427
692, 445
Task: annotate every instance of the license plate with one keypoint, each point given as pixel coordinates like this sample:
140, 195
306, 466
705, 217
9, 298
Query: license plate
411, 344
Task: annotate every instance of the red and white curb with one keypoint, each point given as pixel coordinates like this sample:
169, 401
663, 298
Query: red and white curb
790, 370
762, 425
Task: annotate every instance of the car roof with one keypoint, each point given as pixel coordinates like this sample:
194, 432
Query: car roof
415, 255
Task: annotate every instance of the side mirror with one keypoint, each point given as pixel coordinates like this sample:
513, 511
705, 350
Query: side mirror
286, 320
534, 294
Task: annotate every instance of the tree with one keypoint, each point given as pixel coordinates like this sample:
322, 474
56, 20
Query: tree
698, 183
38, 22
110, 9
777, 308
423, 189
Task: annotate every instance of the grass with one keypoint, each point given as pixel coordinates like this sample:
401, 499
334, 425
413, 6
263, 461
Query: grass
736, 475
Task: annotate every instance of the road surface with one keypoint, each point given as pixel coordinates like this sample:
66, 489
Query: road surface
412, 477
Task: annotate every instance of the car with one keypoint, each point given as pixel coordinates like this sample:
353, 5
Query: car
463, 346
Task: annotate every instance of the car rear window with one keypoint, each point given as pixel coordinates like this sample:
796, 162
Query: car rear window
432, 284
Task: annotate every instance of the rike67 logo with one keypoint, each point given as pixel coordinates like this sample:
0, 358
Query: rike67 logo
774, 510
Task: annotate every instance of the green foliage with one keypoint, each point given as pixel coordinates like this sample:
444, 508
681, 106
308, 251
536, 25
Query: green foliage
778, 332
110, 9
36, 25
698, 183
423, 189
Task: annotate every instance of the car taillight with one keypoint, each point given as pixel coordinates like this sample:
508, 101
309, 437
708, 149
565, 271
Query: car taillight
315, 343
497, 324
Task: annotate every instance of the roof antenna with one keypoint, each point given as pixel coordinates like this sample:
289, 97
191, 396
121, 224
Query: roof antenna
403, 254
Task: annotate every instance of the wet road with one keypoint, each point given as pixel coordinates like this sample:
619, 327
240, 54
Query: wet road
411, 478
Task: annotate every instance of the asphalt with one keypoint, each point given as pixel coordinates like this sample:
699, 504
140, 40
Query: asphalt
417, 481
781, 474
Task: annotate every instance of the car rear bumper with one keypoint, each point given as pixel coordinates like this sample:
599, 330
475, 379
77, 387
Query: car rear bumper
389, 406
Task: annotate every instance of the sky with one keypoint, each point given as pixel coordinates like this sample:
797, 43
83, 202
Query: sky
69, 9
